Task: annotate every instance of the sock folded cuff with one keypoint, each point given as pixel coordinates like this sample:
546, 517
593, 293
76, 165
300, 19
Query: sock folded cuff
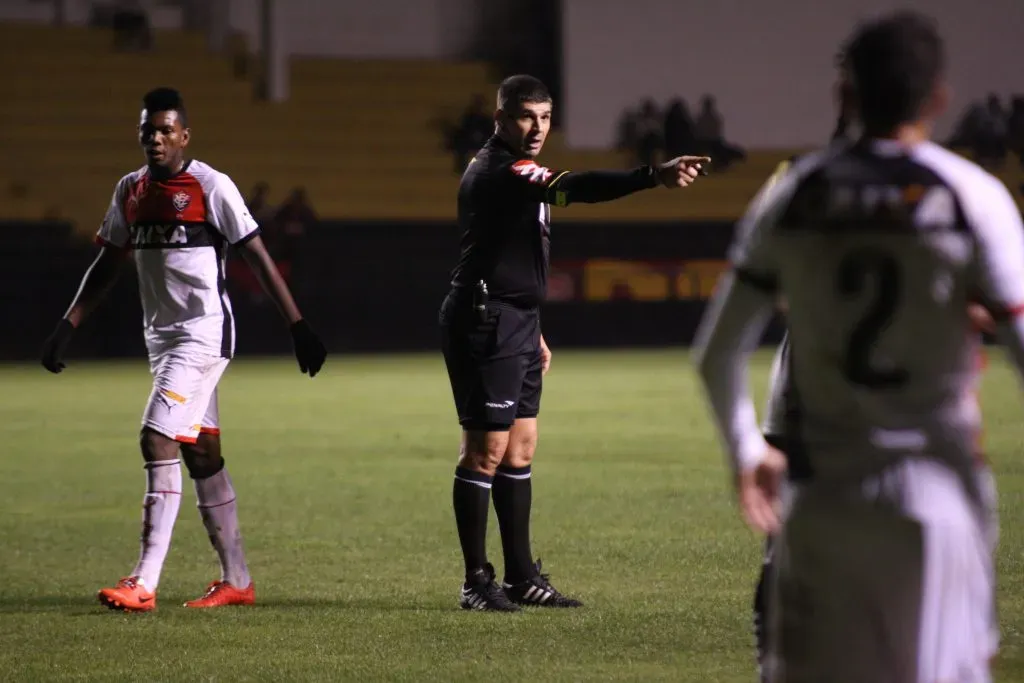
163, 479
470, 477
160, 463
514, 472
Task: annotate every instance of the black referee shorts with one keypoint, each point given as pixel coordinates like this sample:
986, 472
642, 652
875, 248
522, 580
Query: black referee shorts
494, 364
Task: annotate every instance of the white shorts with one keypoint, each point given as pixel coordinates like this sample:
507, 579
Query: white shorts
183, 403
873, 593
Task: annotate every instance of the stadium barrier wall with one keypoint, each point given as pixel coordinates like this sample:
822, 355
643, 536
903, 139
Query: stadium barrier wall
370, 287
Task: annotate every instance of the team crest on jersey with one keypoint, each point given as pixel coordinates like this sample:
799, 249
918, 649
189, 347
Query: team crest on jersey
181, 200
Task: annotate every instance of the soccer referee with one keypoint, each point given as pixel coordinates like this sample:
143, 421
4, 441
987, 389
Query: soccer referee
491, 337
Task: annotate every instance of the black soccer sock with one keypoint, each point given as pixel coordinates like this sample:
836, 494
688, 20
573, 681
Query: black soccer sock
513, 497
471, 500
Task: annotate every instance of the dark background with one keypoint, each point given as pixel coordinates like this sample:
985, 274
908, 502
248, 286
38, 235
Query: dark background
366, 287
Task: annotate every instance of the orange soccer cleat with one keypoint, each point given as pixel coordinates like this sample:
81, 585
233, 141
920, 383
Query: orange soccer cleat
129, 595
222, 594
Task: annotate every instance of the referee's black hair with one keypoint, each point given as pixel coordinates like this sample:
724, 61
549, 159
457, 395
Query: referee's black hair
521, 89
166, 99
895, 63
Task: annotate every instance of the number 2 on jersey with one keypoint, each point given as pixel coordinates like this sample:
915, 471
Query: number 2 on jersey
856, 272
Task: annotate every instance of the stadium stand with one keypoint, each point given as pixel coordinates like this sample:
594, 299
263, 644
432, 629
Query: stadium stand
361, 136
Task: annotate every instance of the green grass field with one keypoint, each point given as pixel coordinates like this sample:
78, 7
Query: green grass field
345, 497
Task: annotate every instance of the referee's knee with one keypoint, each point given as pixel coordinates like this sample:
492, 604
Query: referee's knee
483, 450
522, 443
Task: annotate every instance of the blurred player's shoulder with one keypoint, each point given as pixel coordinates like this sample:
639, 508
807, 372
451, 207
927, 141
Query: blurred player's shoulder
975, 187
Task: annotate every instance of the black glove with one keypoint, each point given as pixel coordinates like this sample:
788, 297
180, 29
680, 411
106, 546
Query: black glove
56, 344
309, 350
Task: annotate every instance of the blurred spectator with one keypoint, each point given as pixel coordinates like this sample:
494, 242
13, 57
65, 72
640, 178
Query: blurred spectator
258, 203
131, 26
991, 143
1015, 128
650, 141
711, 137
293, 218
625, 135
282, 230
473, 130
680, 134
983, 130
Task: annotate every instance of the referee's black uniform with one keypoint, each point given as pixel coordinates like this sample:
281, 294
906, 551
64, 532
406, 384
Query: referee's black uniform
491, 339
490, 320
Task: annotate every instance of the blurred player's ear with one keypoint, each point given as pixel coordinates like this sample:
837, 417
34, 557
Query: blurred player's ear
500, 118
186, 135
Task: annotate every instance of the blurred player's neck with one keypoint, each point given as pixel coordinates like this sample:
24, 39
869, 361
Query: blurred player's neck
907, 134
164, 172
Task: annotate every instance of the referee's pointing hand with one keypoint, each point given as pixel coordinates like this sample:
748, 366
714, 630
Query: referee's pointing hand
681, 171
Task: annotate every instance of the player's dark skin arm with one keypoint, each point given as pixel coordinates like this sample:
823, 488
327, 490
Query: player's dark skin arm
309, 350
96, 283
256, 255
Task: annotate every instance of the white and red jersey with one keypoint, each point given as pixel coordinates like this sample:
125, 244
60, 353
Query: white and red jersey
877, 249
179, 229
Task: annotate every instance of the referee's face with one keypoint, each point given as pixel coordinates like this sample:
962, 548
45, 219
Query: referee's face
527, 128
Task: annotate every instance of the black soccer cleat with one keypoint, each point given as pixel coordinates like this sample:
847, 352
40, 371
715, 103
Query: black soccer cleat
482, 592
537, 591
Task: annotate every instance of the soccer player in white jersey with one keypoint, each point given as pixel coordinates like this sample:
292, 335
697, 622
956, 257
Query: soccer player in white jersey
878, 248
178, 217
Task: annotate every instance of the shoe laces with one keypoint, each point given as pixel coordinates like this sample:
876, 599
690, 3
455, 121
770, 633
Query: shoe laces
213, 588
542, 580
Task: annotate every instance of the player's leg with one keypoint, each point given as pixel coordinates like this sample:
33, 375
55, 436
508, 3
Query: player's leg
481, 386
480, 451
958, 631
216, 500
763, 594
513, 500
763, 611
848, 593
168, 421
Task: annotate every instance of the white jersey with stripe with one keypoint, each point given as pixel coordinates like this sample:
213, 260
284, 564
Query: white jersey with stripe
179, 229
877, 250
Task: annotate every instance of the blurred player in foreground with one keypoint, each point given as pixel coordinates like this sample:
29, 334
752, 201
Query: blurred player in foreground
178, 217
777, 407
884, 561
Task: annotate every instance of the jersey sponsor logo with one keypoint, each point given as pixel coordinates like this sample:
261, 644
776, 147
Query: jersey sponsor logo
532, 171
893, 207
181, 200
171, 236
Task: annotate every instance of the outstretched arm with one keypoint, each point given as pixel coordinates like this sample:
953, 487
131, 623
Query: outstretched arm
562, 188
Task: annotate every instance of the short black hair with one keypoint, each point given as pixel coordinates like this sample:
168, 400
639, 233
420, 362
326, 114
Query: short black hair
894, 62
521, 89
166, 99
